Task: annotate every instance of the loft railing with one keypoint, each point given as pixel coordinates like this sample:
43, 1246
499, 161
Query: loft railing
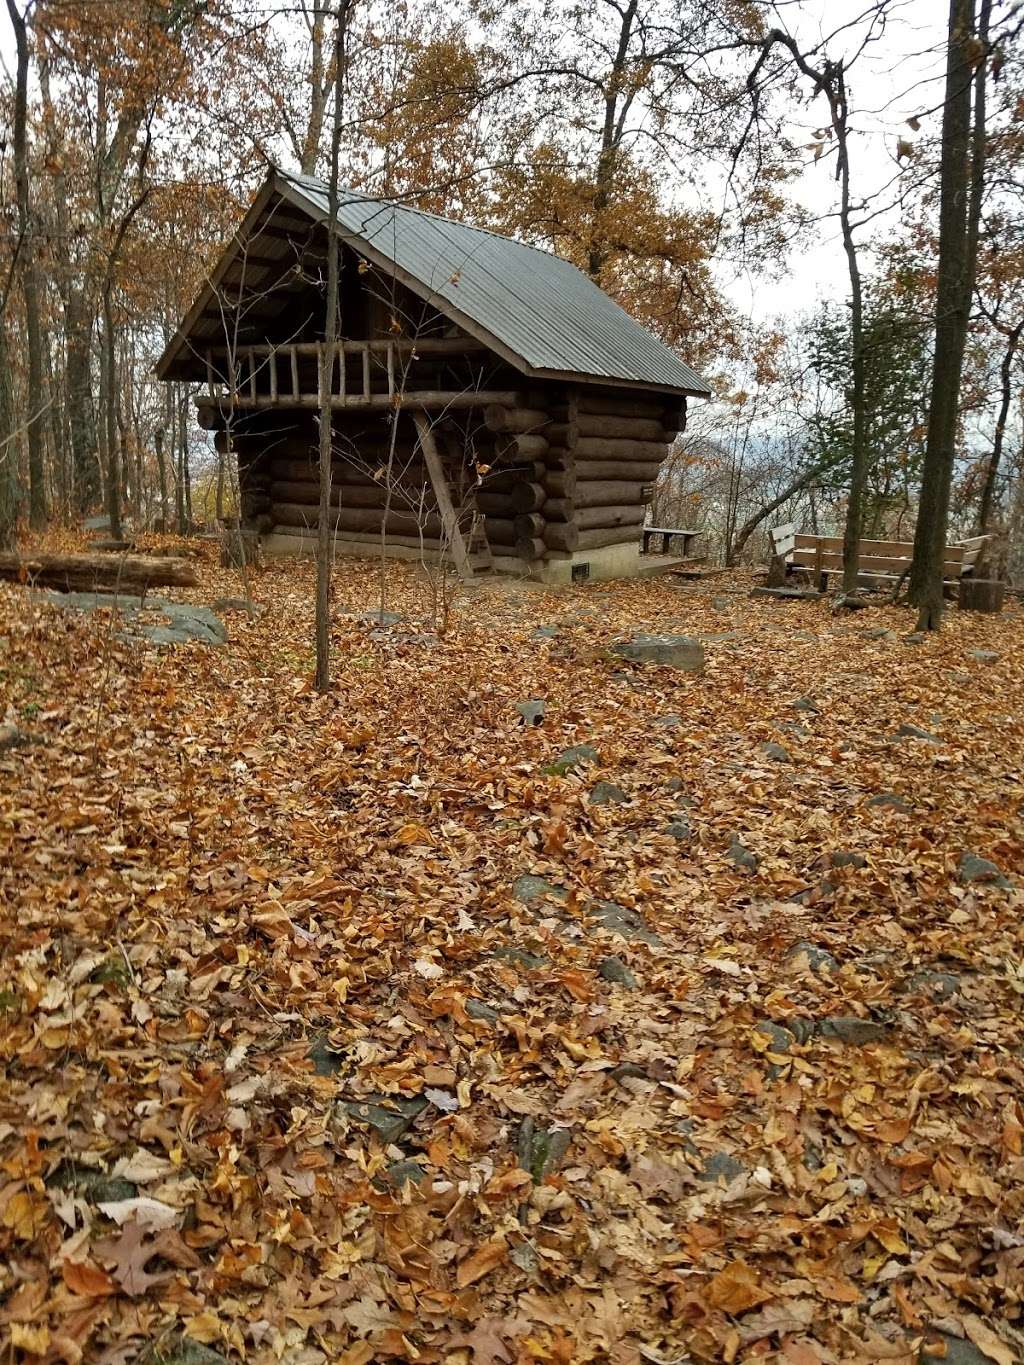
235, 375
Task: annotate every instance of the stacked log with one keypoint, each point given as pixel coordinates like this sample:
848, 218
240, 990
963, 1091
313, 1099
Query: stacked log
564, 469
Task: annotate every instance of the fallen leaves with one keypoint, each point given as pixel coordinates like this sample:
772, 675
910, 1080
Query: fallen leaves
290, 1071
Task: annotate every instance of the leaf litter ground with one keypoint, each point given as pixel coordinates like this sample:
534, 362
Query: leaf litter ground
298, 1067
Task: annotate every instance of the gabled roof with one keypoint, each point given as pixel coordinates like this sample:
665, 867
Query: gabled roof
540, 312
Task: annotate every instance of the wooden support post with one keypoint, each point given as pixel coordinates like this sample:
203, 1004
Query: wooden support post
294, 357
366, 371
449, 521
272, 362
209, 373
340, 354
252, 372
391, 371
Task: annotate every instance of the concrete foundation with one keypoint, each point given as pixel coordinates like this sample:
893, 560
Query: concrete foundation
611, 561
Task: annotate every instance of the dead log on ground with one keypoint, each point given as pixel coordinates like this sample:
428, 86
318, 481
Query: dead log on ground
87, 573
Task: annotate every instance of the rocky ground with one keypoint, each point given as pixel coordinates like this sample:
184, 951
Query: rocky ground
519, 1000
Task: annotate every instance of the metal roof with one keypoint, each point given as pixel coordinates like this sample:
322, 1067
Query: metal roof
542, 309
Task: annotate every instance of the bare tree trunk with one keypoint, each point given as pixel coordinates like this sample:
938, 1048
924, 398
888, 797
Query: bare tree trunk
184, 463
161, 473
611, 134
987, 502
9, 487
108, 408
752, 523
323, 539
953, 296
315, 15
34, 405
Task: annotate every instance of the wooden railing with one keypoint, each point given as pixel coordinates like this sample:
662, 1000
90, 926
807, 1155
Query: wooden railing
234, 375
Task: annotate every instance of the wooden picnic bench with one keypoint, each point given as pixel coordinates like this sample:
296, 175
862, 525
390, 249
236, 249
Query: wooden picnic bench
884, 560
667, 533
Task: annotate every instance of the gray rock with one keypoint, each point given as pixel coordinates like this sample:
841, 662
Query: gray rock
187, 622
720, 1166
97, 601
672, 722
780, 1039
615, 970
672, 651
100, 523
519, 957
401, 1173
529, 888
619, 919
541, 1150
848, 1028
939, 985
545, 633
95, 1187
678, 829
811, 894
721, 603
891, 801
532, 712
234, 604
478, 1009
179, 1351
741, 856
674, 784
389, 1117
807, 704
879, 633
326, 1060
975, 869
985, 656
576, 756
787, 594
842, 857
951, 1350
776, 753
915, 732
916, 637
13, 738
809, 956
380, 618
607, 794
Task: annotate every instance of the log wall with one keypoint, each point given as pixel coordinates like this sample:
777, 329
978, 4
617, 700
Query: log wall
570, 469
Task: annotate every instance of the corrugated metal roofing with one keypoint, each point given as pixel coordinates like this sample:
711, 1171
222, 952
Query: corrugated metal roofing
537, 305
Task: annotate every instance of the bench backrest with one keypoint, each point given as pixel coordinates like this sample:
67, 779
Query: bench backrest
876, 556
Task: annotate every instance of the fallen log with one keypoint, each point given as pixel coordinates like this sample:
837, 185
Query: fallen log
86, 573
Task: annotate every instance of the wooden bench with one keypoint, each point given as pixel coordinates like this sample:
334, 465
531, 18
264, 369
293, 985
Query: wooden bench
648, 533
884, 560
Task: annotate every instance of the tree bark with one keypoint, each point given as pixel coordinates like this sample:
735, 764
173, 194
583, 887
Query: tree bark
35, 404
326, 362
72, 573
953, 295
9, 488
987, 501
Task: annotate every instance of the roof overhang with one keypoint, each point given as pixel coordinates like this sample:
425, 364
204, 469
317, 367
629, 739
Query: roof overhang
279, 187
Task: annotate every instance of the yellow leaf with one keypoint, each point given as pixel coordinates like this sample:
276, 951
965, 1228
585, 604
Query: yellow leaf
35, 1340
414, 834
24, 1215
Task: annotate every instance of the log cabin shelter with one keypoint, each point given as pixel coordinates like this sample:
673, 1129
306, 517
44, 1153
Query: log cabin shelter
489, 403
